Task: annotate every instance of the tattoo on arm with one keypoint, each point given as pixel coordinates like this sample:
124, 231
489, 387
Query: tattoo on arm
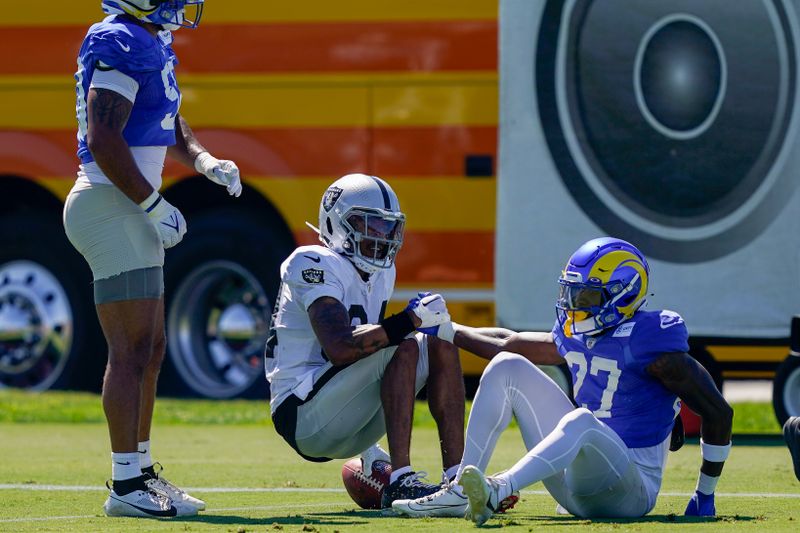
342, 342
186, 147
108, 109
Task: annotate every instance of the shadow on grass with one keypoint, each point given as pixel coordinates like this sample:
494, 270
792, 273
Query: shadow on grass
651, 518
342, 518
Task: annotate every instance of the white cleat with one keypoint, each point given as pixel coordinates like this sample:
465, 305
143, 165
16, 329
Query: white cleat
372, 454
483, 494
184, 502
139, 503
448, 502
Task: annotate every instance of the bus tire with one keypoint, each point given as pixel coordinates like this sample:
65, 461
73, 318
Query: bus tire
220, 285
786, 389
49, 334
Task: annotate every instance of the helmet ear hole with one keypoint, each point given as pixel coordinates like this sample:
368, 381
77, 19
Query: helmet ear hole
329, 225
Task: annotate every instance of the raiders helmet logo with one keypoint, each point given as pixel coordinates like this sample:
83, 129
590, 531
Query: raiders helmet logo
331, 195
313, 275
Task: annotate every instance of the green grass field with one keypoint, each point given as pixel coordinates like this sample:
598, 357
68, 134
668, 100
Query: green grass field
54, 460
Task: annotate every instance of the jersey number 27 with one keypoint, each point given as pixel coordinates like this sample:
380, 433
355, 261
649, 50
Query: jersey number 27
596, 365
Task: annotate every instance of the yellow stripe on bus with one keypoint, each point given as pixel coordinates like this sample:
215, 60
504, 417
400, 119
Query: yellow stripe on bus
85, 12
428, 203
762, 354
304, 104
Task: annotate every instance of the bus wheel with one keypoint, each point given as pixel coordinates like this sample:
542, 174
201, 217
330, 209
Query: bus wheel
220, 284
786, 389
49, 336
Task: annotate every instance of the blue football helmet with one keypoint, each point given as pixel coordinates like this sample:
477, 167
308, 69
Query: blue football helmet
169, 14
604, 283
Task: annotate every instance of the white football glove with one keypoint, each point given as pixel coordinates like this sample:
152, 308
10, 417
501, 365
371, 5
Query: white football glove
169, 222
220, 171
431, 310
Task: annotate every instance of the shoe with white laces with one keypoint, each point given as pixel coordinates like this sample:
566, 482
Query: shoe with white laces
179, 497
483, 493
142, 502
448, 501
372, 454
408, 486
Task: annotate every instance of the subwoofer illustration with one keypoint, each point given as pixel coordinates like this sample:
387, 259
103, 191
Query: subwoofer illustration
671, 124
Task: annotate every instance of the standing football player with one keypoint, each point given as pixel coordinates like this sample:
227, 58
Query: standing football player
630, 370
341, 373
128, 121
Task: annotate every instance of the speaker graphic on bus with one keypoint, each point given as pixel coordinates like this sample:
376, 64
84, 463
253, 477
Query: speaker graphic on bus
672, 125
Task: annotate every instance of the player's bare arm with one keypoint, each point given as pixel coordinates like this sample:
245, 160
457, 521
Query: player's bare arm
687, 378
108, 113
186, 147
188, 151
342, 342
537, 347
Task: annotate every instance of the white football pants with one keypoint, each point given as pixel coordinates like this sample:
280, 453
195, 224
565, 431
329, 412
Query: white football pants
583, 463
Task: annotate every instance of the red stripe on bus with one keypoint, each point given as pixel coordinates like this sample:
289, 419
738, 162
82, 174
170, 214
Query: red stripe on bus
439, 151
431, 258
419, 46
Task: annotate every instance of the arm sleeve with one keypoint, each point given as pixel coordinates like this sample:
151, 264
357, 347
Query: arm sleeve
105, 77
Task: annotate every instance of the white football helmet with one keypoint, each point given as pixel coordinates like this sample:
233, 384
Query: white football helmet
360, 217
169, 14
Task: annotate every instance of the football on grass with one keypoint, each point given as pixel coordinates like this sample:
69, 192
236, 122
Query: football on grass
366, 489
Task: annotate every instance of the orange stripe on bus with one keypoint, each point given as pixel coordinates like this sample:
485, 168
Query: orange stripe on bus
426, 46
397, 152
431, 258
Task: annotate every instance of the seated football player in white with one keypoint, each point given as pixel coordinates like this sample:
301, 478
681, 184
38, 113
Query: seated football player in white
630, 371
341, 374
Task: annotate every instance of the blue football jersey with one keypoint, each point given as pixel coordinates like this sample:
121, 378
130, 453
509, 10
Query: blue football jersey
123, 45
610, 379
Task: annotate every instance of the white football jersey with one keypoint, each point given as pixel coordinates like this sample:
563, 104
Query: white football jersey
311, 272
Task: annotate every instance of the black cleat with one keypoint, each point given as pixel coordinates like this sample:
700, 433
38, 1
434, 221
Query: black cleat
791, 434
409, 486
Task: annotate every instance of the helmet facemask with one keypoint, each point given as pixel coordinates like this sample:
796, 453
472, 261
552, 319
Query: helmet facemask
373, 237
589, 308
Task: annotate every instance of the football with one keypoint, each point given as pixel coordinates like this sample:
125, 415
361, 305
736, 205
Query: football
366, 490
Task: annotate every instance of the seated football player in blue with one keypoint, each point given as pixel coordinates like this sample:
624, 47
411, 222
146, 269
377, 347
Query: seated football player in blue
630, 371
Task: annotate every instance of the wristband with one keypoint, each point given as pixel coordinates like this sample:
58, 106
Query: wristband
714, 453
447, 332
151, 201
397, 327
200, 161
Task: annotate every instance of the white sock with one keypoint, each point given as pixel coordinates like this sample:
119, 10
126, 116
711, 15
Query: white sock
144, 454
397, 473
125, 466
505, 486
451, 472
707, 484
